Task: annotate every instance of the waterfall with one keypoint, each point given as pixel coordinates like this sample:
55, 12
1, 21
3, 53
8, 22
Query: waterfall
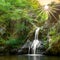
35, 41
36, 33
33, 46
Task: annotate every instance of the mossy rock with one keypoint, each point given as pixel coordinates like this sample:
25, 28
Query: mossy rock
55, 49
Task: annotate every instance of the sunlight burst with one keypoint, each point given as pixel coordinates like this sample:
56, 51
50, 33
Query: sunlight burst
52, 10
46, 7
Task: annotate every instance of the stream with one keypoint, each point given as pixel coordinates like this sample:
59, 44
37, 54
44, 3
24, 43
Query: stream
26, 57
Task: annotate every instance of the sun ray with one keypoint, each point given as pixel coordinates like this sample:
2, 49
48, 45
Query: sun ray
53, 10
40, 10
39, 14
53, 15
56, 9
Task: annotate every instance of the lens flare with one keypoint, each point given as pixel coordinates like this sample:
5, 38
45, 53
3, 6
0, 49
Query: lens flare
46, 7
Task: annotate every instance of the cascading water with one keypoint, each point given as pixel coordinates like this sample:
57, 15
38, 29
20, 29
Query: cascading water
34, 47
36, 33
36, 41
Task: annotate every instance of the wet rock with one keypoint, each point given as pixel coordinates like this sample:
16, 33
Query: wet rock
23, 51
25, 48
13, 51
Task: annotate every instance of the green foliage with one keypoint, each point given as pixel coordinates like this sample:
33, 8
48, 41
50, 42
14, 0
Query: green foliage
11, 41
2, 42
18, 17
52, 31
13, 15
42, 16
